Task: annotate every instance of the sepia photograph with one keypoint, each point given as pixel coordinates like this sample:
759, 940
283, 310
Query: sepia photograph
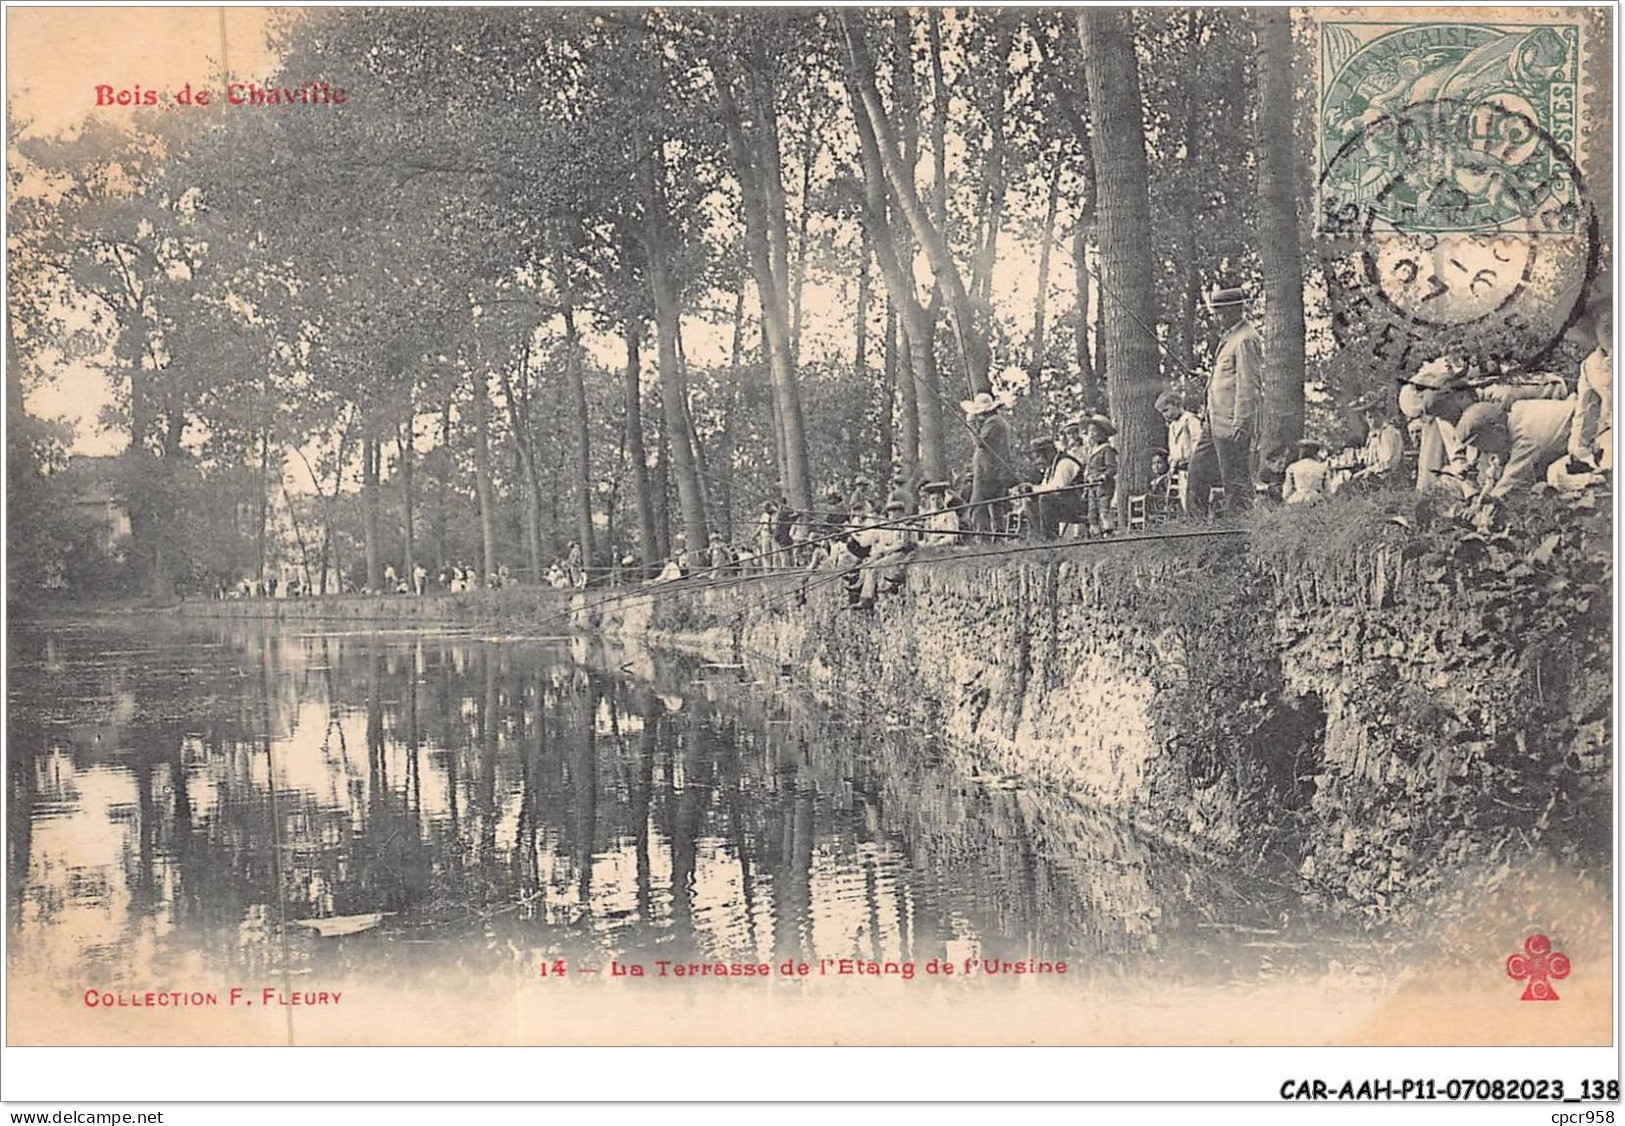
805, 526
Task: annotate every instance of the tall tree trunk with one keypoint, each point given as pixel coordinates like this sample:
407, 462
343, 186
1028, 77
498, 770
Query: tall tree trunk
330, 543
668, 319
860, 349
583, 442
922, 397
702, 468
1113, 77
535, 557
555, 537
987, 253
612, 504
930, 424
756, 164
730, 409
327, 545
299, 537
860, 346
519, 422
662, 484
648, 545
483, 489
1189, 250
513, 527
262, 505
1035, 360
888, 390
973, 349
1088, 378
1091, 370
370, 447
149, 476
142, 477
939, 122
444, 483
908, 387
921, 322
1190, 300
809, 155
780, 459
405, 440
920, 334
1278, 234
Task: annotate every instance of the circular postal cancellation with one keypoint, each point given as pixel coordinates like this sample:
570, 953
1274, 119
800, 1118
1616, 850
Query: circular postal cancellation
1451, 199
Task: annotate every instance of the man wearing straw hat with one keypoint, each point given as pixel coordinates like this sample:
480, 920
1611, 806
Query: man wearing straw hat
1234, 396
992, 470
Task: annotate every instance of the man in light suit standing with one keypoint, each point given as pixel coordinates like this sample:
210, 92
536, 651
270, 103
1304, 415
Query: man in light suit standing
1235, 393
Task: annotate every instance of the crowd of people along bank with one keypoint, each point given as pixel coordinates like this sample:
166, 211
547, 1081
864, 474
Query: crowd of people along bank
1473, 435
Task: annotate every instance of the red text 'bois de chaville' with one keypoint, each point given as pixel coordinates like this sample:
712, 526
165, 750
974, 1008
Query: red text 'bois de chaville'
235, 93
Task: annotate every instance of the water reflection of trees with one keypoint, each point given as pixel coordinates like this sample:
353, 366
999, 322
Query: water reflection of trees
500, 802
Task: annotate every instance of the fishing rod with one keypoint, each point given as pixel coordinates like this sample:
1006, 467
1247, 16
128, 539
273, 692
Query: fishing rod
1473, 382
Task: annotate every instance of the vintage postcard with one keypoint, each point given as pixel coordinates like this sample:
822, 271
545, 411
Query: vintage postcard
807, 526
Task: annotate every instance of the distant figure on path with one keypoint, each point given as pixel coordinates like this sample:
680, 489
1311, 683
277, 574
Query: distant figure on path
420, 577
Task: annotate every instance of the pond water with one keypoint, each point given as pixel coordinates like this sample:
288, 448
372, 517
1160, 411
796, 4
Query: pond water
220, 802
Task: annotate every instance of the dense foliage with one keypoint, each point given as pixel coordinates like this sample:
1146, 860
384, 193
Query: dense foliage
811, 232
619, 277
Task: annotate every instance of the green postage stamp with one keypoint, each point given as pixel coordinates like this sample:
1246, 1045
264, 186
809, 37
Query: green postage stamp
1461, 127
